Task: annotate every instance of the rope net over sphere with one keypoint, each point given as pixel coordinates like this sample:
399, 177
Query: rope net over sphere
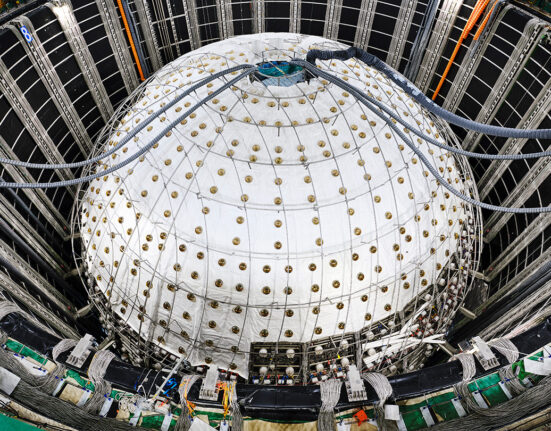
282, 215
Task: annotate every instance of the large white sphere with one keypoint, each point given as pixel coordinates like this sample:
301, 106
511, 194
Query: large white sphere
272, 213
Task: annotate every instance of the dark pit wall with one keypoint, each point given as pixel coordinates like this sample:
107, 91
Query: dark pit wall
504, 81
509, 86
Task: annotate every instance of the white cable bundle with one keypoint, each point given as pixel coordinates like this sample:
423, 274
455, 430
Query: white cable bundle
467, 363
184, 422
7, 307
96, 373
63, 346
496, 417
330, 391
462, 388
237, 417
51, 381
379, 382
45, 383
508, 349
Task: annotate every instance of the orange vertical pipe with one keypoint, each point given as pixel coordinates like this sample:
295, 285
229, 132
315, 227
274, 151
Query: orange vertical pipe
132, 46
481, 28
473, 18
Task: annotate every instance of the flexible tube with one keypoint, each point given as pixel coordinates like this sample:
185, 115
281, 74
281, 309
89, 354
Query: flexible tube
134, 156
130, 135
475, 15
430, 139
131, 40
373, 61
361, 97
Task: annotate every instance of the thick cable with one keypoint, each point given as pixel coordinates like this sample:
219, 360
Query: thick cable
236, 415
184, 421
64, 345
7, 307
96, 373
330, 392
462, 388
496, 417
373, 61
507, 375
132, 133
467, 364
506, 347
361, 97
435, 142
133, 157
382, 387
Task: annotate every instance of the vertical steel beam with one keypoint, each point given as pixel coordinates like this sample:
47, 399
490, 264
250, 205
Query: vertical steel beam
45, 69
366, 16
162, 25
524, 189
296, 7
531, 120
532, 231
523, 275
64, 13
170, 20
401, 31
117, 40
24, 111
22, 228
192, 23
524, 48
37, 196
421, 40
470, 64
258, 16
435, 48
225, 18
528, 305
332, 19
54, 296
16, 291
151, 42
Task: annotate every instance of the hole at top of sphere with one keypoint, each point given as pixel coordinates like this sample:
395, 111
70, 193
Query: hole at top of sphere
279, 73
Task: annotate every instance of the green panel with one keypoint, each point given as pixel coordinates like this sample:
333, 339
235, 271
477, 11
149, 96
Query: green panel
404, 409
414, 420
155, 421
25, 351
13, 424
520, 364
494, 395
443, 406
78, 378
445, 411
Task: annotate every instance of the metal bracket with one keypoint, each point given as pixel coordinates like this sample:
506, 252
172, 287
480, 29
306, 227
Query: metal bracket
81, 351
355, 388
208, 389
484, 354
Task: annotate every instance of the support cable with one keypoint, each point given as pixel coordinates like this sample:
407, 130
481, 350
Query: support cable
373, 61
362, 98
430, 139
132, 133
143, 150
